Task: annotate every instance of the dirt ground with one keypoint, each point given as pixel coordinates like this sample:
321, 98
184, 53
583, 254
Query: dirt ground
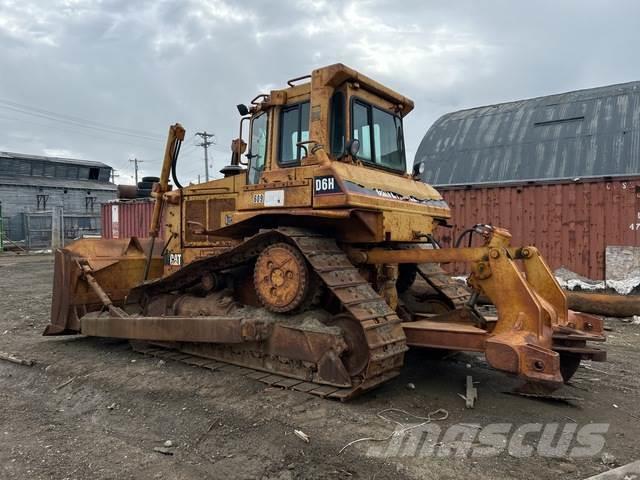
120, 405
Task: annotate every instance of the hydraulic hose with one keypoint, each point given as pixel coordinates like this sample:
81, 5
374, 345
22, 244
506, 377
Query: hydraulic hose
174, 162
479, 228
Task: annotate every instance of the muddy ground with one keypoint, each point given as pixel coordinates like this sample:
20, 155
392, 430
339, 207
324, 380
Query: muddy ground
120, 405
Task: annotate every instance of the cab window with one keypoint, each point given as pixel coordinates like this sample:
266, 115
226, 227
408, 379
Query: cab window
338, 123
294, 128
380, 135
362, 130
258, 147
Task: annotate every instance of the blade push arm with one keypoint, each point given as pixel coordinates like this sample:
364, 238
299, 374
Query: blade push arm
172, 148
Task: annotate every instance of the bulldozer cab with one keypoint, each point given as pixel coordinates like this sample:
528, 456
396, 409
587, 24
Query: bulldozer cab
353, 118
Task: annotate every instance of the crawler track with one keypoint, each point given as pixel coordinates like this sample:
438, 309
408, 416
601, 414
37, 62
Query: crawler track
378, 324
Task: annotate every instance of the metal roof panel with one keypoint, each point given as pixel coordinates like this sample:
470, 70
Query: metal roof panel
24, 156
584, 133
53, 182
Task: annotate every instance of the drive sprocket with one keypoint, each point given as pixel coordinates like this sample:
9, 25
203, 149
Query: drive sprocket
281, 278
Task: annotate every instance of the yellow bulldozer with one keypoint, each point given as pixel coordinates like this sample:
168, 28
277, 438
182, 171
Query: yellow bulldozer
313, 264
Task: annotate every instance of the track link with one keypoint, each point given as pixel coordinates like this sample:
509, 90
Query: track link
445, 286
270, 379
383, 332
442, 283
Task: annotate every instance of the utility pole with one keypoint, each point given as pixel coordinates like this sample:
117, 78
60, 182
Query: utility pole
198, 178
114, 175
205, 143
135, 166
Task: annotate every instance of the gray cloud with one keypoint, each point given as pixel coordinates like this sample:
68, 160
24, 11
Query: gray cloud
146, 64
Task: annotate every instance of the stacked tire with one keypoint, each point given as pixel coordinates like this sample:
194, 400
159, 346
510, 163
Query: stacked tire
145, 186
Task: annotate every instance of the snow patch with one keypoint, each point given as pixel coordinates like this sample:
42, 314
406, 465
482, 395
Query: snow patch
572, 281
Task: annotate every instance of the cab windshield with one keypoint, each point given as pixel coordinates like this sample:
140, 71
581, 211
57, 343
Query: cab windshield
380, 135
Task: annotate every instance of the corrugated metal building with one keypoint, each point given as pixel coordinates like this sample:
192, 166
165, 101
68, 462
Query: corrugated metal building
32, 187
561, 172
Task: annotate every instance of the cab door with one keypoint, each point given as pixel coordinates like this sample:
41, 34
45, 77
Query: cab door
275, 178
289, 153
294, 128
257, 148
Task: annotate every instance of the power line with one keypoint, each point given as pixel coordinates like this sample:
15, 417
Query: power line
118, 163
77, 124
63, 128
78, 120
74, 123
189, 151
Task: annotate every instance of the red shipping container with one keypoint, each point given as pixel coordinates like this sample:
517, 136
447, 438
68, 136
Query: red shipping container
122, 219
571, 223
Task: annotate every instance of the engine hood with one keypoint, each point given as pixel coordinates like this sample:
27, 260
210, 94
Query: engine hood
358, 179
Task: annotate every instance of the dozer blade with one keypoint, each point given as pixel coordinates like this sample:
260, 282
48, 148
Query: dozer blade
118, 266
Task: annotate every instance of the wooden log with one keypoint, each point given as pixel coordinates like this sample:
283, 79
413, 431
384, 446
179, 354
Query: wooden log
608, 305
13, 359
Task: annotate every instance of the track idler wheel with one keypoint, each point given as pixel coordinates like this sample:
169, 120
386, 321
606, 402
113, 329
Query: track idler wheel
356, 357
436, 304
569, 364
282, 278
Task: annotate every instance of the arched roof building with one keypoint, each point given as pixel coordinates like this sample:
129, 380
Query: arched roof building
561, 172
581, 134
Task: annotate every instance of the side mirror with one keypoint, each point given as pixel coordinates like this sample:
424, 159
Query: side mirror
353, 147
242, 109
238, 146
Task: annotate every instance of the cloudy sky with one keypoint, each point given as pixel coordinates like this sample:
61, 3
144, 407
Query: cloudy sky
103, 80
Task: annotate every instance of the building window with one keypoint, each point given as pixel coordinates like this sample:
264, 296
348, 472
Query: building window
94, 173
42, 201
89, 203
294, 128
72, 172
37, 169
84, 223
